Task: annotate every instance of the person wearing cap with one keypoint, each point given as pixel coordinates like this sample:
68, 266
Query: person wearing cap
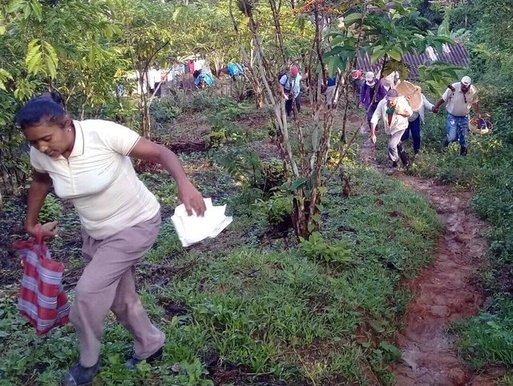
371, 93
460, 98
291, 89
415, 122
395, 111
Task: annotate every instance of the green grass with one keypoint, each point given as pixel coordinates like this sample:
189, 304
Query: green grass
487, 170
321, 312
278, 312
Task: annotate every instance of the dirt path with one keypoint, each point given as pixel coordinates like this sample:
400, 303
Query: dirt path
444, 292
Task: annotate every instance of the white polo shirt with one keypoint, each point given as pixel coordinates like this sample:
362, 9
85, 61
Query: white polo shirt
457, 103
98, 177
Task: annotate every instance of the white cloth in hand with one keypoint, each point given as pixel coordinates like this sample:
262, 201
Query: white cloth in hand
192, 229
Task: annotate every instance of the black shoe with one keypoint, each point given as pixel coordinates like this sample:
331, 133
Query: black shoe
394, 164
132, 362
403, 155
79, 375
446, 143
463, 150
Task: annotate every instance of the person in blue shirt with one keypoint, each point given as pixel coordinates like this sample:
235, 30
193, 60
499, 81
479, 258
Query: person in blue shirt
202, 79
331, 91
233, 70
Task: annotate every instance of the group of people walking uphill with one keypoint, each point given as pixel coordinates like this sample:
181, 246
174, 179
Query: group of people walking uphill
400, 120
89, 163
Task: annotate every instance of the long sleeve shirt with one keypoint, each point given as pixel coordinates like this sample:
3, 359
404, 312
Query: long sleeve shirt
398, 122
367, 93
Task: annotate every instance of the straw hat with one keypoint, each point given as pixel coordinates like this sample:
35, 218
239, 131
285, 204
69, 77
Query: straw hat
412, 93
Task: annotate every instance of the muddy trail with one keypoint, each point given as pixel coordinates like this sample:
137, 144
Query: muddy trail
445, 291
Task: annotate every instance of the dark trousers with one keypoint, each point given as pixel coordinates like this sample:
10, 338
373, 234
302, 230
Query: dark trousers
414, 127
370, 111
288, 105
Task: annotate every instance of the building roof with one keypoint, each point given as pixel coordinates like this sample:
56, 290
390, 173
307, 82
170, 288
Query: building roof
454, 54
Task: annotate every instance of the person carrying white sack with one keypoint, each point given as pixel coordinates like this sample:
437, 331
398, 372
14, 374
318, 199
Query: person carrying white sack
88, 162
395, 111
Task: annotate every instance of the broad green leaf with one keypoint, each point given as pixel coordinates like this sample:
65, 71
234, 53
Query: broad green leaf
16, 5
298, 183
4, 76
51, 59
37, 9
34, 55
377, 53
352, 18
395, 53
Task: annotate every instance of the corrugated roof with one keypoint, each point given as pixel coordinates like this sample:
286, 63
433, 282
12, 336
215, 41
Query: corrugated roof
454, 54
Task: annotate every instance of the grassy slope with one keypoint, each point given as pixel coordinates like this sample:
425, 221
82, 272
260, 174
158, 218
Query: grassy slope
289, 316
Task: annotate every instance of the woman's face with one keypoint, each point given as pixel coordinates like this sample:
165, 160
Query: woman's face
392, 102
50, 138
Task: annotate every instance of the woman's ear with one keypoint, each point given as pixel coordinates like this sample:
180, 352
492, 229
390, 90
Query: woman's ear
67, 122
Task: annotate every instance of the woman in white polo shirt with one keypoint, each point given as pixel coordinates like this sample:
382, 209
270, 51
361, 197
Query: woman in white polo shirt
88, 162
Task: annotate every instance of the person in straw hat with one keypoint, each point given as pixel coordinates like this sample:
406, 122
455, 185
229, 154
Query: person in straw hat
460, 98
419, 103
395, 111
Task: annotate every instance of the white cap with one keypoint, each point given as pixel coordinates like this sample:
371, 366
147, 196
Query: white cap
369, 76
466, 80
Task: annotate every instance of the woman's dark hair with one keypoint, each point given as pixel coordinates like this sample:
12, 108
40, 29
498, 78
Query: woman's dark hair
54, 96
37, 110
196, 73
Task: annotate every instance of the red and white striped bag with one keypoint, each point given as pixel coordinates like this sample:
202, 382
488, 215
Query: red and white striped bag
42, 300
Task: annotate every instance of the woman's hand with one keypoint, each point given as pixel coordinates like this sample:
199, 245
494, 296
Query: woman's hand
191, 198
48, 230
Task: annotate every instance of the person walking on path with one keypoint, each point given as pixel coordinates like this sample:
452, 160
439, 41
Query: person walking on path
371, 93
460, 98
395, 111
415, 123
332, 91
88, 162
291, 89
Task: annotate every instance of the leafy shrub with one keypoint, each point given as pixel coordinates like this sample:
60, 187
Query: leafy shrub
488, 338
164, 110
277, 208
248, 169
123, 110
324, 251
224, 134
51, 210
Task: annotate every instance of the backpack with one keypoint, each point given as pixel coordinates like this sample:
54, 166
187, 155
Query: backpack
281, 73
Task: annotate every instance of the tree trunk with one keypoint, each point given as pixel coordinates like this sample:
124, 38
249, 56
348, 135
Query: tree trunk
303, 222
145, 108
259, 97
145, 112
